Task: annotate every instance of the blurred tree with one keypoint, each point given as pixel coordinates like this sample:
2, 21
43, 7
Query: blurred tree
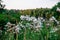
54, 9
1, 6
3, 21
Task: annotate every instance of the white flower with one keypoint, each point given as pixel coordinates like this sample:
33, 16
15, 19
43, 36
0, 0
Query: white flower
57, 22
17, 28
32, 18
22, 17
58, 9
43, 20
37, 29
35, 20
53, 30
51, 19
21, 25
8, 23
47, 24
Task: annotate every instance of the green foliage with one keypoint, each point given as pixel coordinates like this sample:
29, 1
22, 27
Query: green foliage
54, 9
28, 33
3, 20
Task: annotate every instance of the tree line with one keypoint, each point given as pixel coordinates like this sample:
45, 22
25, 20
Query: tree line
13, 15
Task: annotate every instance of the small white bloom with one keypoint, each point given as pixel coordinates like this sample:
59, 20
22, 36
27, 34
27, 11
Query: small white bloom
52, 18
58, 9
53, 30
17, 28
47, 24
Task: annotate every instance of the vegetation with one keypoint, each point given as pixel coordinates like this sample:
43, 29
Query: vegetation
28, 33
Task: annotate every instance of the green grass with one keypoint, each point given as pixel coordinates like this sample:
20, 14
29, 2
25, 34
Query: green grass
28, 33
